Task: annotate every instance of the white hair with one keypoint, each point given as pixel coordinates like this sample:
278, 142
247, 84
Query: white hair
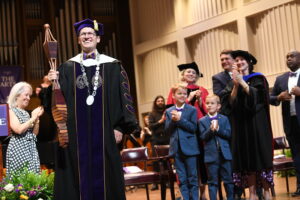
16, 91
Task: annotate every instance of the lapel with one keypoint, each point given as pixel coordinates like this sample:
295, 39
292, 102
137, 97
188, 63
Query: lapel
297, 97
285, 81
184, 111
220, 119
224, 77
171, 109
227, 76
206, 121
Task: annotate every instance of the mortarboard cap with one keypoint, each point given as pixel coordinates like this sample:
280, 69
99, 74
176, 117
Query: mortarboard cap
246, 55
192, 65
98, 27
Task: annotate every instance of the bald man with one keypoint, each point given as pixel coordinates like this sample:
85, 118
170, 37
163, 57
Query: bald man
287, 90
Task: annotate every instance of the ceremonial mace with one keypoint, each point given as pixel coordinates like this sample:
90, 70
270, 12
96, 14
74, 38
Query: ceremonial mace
59, 108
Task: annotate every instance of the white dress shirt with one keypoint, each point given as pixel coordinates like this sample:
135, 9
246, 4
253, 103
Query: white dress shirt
179, 108
292, 82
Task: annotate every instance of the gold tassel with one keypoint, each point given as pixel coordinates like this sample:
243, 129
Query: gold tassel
96, 25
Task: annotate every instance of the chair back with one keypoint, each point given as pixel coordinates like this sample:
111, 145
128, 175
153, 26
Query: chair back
161, 150
280, 143
134, 154
282, 163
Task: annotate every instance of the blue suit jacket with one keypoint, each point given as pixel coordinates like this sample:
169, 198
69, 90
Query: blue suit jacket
281, 85
220, 81
183, 132
222, 136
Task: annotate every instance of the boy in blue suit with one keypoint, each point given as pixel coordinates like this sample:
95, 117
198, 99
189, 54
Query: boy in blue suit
215, 131
181, 124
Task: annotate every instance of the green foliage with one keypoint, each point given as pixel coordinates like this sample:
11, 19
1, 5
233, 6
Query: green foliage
291, 172
27, 185
288, 153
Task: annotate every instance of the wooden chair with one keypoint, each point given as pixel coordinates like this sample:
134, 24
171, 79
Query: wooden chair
282, 163
162, 152
137, 155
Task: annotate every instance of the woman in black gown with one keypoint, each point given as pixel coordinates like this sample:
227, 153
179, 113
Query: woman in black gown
247, 100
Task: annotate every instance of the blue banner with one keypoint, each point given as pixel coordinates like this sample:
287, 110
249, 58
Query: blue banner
4, 128
9, 75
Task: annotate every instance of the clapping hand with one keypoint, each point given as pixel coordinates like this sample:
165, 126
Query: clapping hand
239, 78
295, 91
37, 112
163, 118
175, 115
192, 95
214, 125
198, 94
235, 74
284, 96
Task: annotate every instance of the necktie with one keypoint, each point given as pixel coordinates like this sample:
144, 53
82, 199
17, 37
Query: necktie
293, 74
179, 109
86, 56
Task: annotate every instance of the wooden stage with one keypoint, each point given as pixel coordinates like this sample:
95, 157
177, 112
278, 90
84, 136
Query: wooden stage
280, 189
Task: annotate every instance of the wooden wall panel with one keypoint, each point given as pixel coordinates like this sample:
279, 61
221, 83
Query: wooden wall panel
276, 121
154, 18
205, 49
158, 72
275, 32
201, 10
249, 1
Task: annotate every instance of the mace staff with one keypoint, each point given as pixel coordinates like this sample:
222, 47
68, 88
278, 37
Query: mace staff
59, 108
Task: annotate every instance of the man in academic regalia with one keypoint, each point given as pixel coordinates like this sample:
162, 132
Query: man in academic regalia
97, 94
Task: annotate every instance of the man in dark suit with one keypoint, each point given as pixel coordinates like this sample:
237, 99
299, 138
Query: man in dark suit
287, 90
221, 79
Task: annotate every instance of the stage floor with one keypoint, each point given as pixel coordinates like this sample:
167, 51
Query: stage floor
280, 189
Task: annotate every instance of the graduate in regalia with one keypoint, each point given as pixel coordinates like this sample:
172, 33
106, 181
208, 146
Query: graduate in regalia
99, 104
189, 74
246, 98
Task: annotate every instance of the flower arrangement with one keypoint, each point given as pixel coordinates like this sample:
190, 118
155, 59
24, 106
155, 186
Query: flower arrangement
27, 185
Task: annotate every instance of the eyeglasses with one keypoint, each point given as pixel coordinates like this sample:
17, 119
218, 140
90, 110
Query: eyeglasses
87, 34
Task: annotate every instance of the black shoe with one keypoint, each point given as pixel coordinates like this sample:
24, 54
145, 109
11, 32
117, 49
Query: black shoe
154, 187
297, 193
